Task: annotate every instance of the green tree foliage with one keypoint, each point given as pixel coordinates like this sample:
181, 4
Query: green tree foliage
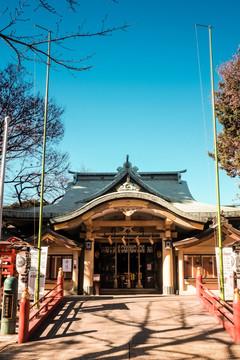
228, 115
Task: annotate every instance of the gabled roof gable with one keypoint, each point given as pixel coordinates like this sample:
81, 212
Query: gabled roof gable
227, 229
48, 234
135, 179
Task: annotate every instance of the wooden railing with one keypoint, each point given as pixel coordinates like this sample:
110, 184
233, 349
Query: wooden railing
227, 315
31, 317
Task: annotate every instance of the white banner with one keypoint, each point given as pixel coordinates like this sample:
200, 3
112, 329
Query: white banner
228, 275
33, 274
67, 265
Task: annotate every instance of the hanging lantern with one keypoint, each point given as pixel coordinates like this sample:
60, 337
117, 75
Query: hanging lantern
88, 244
168, 244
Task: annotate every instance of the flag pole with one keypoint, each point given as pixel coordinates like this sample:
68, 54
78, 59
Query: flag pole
43, 173
221, 280
216, 169
3, 164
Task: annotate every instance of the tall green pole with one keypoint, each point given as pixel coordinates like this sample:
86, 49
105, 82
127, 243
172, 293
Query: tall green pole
42, 177
216, 170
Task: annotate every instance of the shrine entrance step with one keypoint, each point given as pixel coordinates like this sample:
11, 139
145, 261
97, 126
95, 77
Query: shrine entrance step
128, 291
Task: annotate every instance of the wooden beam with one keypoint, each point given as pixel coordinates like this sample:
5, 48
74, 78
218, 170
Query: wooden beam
88, 215
168, 234
73, 223
179, 220
128, 203
132, 223
60, 226
168, 223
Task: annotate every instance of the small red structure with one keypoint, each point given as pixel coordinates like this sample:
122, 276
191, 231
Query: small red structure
23, 326
7, 256
228, 316
30, 317
236, 315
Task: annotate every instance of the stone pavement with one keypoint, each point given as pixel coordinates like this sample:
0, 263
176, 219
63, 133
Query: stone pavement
128, 327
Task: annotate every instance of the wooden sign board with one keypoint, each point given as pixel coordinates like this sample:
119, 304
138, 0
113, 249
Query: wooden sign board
7, 306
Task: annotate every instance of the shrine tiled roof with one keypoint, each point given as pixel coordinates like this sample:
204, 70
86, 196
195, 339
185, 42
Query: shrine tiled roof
89, 186
166, 186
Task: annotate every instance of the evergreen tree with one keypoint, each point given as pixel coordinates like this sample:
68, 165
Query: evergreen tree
228, 115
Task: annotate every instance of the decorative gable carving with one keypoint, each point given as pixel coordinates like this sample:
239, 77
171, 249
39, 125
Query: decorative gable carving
128, 186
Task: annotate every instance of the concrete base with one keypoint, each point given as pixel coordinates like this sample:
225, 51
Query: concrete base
125, 291
168, 290
8, 326
88, 290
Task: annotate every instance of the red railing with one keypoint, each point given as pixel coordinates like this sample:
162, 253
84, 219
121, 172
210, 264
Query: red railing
228, 316
31, 317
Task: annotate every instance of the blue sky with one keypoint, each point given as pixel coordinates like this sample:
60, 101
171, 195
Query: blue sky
142, 97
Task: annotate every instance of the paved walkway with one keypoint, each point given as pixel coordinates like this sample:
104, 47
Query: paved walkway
128, 327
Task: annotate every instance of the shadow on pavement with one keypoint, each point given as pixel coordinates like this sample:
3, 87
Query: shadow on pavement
179, 334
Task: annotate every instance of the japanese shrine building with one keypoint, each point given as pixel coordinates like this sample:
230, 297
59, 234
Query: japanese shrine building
137, 230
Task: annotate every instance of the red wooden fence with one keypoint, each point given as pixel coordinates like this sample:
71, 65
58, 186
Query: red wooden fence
31, 317
227, 315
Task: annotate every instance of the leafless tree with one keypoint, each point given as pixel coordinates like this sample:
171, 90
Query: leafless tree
26, 111
26, 137
23, 42
25, 178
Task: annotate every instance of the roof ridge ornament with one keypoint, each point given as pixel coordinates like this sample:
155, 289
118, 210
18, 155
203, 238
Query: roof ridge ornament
127, 166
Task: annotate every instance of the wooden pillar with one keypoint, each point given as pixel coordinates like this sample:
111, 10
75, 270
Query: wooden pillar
168, 287
88, 270
75, 267
139, 283
180, 272
115, 285
199, 283
129, 270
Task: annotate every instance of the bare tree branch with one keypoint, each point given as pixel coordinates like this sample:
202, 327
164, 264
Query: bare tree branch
25, 139
22, 44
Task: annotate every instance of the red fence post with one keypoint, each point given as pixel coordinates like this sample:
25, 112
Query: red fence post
236, 315
24, 317
60, 282
45, 309
199, 283
12, 262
